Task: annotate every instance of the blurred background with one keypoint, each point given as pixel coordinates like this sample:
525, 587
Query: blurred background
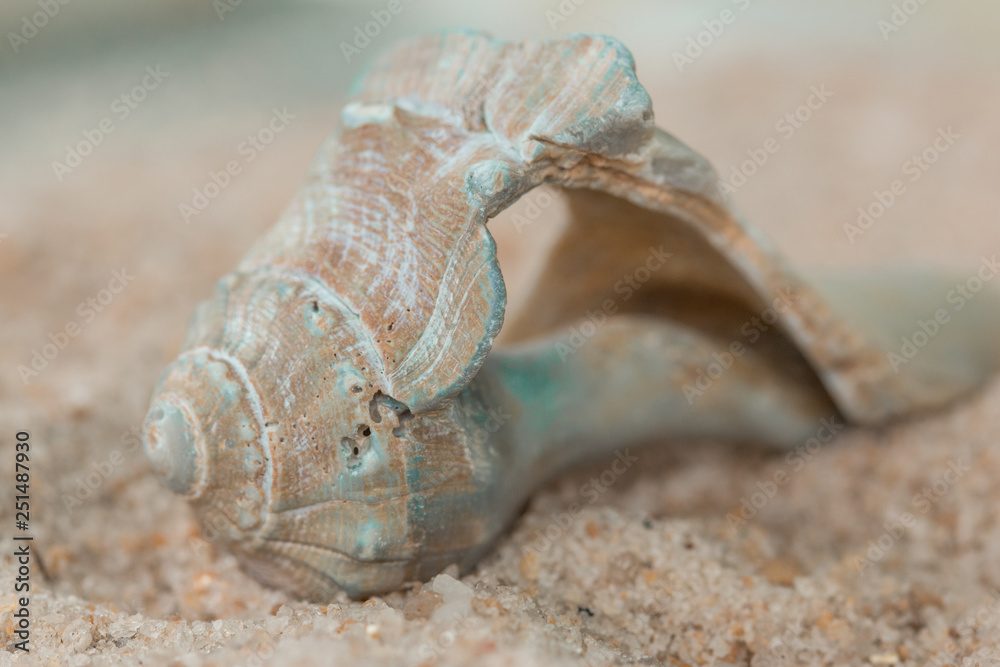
225, 66
114, 115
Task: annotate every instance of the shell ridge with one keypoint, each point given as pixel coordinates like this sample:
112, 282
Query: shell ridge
438, 324
330, 549
253, 398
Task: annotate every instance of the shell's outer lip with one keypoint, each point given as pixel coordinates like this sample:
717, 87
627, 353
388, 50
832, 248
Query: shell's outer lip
193, 425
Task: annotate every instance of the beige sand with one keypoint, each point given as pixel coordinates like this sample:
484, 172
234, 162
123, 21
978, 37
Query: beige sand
650, 570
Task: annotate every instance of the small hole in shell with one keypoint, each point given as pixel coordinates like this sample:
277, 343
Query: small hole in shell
352, 452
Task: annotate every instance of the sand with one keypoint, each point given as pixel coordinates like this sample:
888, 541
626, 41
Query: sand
653, 569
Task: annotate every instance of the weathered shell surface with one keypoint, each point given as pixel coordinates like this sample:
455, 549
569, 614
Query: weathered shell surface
333, 413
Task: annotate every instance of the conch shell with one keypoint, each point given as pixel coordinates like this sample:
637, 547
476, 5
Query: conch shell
337, 415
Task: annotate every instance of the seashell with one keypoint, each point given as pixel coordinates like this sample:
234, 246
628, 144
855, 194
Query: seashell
337, 415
